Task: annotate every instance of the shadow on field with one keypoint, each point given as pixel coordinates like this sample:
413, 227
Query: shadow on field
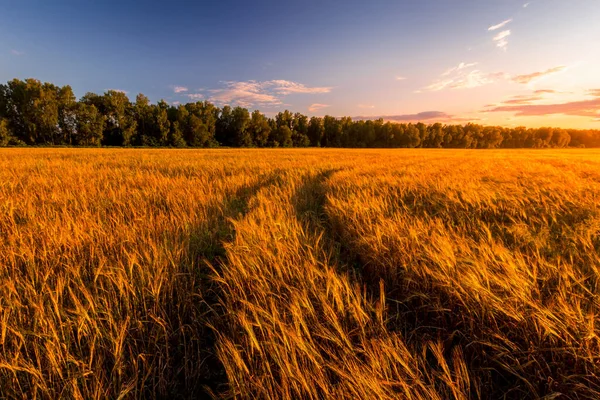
419, 318
309, 203
192, 369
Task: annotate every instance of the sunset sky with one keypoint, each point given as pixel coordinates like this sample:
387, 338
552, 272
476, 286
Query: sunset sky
501, 62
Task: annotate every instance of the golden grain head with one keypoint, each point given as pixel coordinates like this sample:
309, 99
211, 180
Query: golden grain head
310, 274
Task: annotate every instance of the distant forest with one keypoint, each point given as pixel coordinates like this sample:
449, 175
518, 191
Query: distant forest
42, 114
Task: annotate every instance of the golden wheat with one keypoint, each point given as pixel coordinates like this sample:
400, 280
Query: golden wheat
299, 274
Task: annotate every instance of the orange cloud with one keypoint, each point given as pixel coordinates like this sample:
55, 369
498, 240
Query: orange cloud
316, 107
584, 108
526, 99
594, 92
528, 78
437, 116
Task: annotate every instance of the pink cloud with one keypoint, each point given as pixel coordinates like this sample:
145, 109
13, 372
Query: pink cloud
528, 78
437, 116
316, 107
180, 89
265, 93
195, 96
583, 108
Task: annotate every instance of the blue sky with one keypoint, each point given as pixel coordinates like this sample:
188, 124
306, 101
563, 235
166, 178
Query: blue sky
501, 62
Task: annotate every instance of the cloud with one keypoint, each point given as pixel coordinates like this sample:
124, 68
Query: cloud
583, 108
17, 52
287, 87
526, 5
175, 103
316, 107
180, 89
422, 116
525, 99
500, 25
528, 78
195, 96
438, 116
400, 78
366, 106
265, 93
594, 92
500, 39
244, 94
459, 78
459, 67
469, 80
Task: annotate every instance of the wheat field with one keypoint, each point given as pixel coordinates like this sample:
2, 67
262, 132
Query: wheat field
288, 274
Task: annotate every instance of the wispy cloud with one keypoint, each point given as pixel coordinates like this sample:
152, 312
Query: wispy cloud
180, 89
536, 96
195, 96
500, 25
17, 52
459, 67
528, 78
526, 5
244, 94
594, 92
400, 78
288, 87
175, 103
460, 78
501, 39
265, 93
430, 116
522, 99
422, 116
581, 108
316, 107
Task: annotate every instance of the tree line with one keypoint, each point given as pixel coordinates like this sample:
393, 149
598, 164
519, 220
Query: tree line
40, 114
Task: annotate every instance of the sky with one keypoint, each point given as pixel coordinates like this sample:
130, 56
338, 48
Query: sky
495, 62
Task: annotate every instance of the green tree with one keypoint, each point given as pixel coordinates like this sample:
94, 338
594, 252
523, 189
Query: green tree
176, 135
240, 122
89, 125
332, 132
224, 132
283, 136
6, 136
121, 126
67, 115
31, 109
300, 132
315, 131
259, 129
143, 117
